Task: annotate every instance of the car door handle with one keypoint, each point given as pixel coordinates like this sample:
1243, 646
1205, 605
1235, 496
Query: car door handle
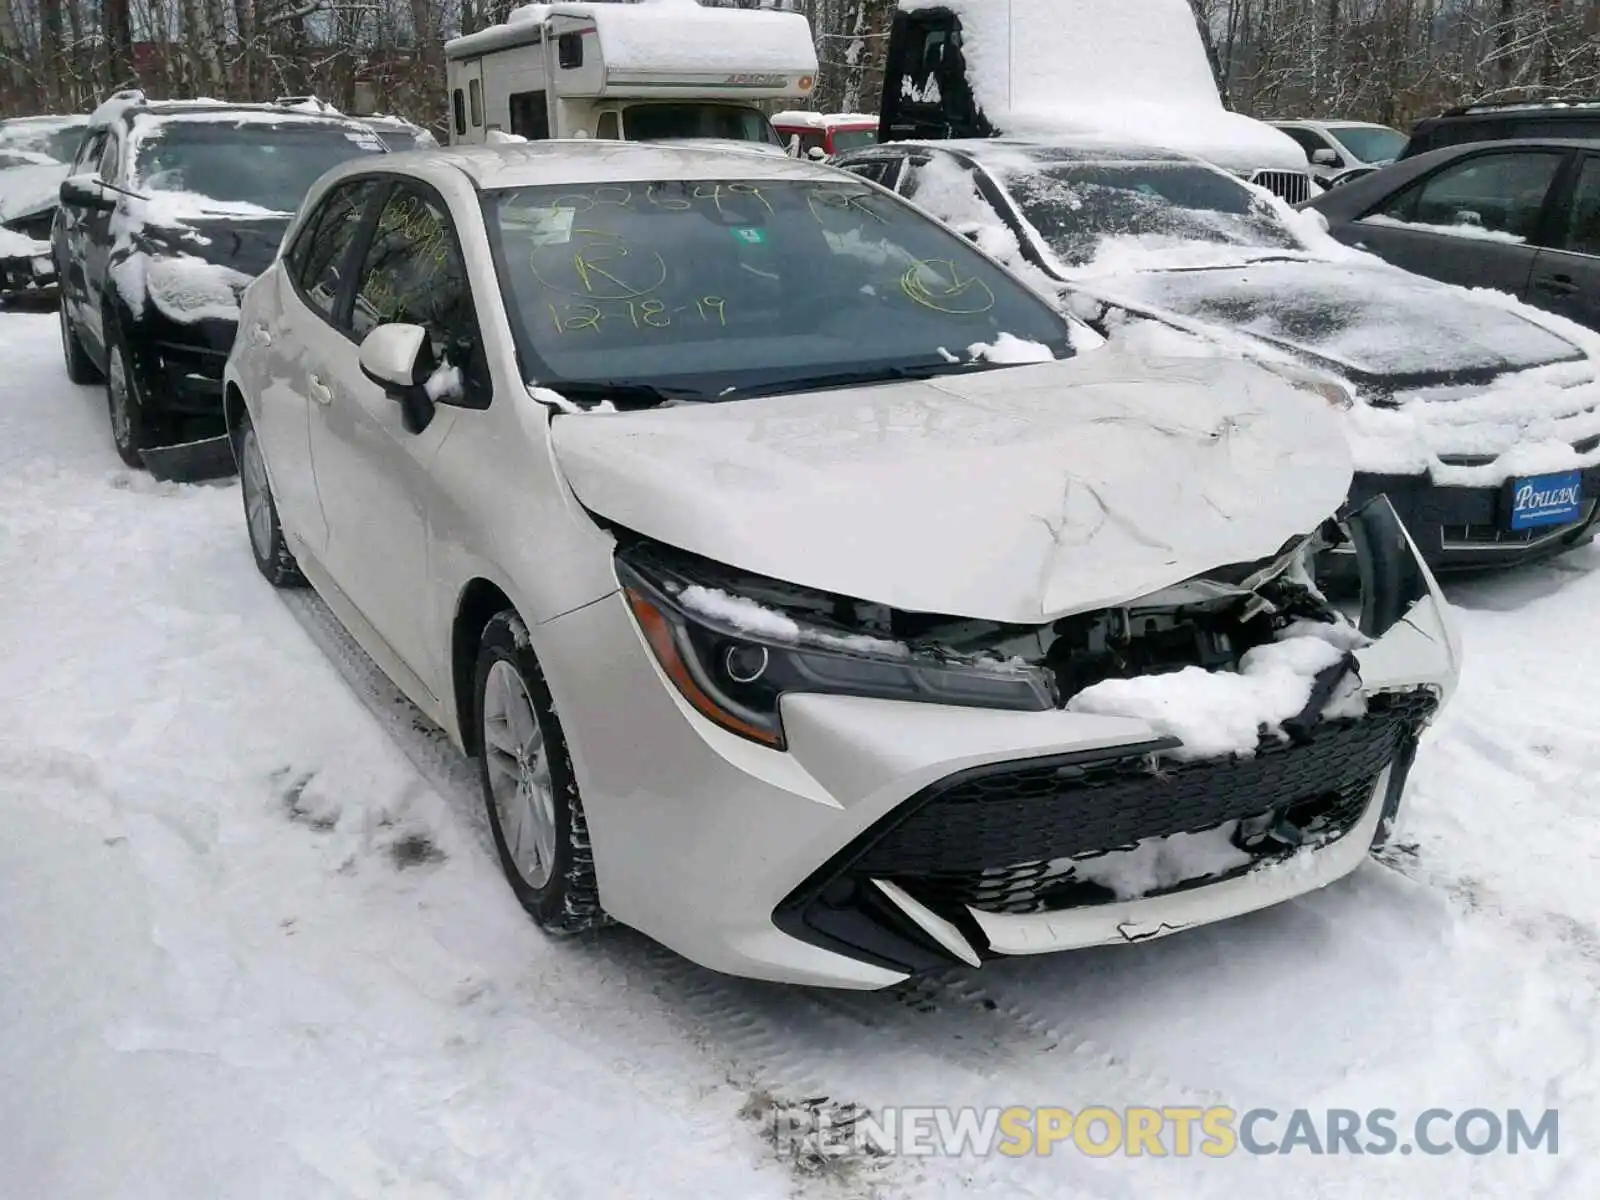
1560, 285
320, 392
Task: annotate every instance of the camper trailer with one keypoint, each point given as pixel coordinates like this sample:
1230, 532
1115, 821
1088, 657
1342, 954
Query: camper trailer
1132, 70
651, 70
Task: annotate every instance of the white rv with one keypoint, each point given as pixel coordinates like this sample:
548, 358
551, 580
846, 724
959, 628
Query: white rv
634, 70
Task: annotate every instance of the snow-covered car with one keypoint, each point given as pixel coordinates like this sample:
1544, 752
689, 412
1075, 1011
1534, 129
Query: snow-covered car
170, 210
1335, 147
34, 153
1477, 416
819, 657
1520, 216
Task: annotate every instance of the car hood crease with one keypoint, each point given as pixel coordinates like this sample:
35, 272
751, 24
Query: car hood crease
1017, 495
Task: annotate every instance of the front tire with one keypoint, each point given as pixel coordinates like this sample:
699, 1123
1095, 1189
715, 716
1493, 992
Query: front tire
268, 546
529, 787
80, 367
130, 424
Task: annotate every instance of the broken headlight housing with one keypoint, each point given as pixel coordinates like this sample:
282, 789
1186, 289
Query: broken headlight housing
734, 659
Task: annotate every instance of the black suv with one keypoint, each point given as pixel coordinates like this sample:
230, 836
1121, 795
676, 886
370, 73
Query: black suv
170, 211
1505, 121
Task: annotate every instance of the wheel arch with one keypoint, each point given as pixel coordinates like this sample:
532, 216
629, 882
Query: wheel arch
479, 602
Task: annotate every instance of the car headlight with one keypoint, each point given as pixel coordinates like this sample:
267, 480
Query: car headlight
734, 660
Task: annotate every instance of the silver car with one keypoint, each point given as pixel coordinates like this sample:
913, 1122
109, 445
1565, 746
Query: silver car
817, 599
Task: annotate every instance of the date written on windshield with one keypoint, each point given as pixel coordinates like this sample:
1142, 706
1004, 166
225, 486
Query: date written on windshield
642, 314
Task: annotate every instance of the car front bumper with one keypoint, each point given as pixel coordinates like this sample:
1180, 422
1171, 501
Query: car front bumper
1469, 528
893, 838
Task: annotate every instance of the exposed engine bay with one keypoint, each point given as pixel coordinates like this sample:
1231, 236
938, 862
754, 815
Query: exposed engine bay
1209, 622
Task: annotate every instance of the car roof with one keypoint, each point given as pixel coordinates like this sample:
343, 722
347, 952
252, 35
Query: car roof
591, 160
67, 119
1549, 143
1041, 150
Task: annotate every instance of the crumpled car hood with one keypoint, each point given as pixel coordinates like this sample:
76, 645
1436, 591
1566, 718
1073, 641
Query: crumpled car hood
1375, 323
1017, 495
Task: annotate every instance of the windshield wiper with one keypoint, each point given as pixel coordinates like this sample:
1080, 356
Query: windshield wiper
626, 394
838, 379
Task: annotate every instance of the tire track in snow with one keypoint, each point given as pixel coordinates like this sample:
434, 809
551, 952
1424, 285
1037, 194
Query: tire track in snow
871, 1048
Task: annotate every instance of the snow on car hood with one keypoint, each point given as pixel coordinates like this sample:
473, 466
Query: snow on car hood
32, 189
1015, 495
1369, 321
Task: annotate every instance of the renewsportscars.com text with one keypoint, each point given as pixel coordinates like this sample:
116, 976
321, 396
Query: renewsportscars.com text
1168, 1131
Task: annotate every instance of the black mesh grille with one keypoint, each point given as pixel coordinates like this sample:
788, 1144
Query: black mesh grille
1290, 186
990, 837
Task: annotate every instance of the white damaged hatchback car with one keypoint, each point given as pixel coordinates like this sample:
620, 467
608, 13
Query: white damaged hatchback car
816, 598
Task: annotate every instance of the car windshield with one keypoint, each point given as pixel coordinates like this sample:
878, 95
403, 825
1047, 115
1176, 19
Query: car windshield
853, 139
1372, 144
716, 288
1077, 207
270, 164
725, 122
58, 141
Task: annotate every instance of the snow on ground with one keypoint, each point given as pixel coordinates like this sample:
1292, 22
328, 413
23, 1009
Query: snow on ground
255, 943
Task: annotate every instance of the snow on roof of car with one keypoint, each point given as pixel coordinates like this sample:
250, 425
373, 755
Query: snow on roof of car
1134, 69
1089, 148
681, 35
816, 120
1043, 55
582, 160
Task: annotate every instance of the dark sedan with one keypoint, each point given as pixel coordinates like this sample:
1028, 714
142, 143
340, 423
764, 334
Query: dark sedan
171, 210
1478, 419
1522, 217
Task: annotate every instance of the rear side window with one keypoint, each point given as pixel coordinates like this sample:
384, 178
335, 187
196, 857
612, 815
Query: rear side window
1583, 225
319, 261
1500, 194
475, 101
458, 104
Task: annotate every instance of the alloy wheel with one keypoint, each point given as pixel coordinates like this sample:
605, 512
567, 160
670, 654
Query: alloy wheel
257, 496
519, 774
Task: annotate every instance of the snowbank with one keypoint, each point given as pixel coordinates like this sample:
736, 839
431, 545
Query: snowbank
1216, 713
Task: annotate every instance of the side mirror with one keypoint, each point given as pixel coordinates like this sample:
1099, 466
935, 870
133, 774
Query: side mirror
970, 230
1469, 217
817, 154
1326, 158
86, 191
398, 358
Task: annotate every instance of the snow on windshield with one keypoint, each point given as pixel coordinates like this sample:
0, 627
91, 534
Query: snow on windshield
265, 162
1078, 208
1372, 320
716, 285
